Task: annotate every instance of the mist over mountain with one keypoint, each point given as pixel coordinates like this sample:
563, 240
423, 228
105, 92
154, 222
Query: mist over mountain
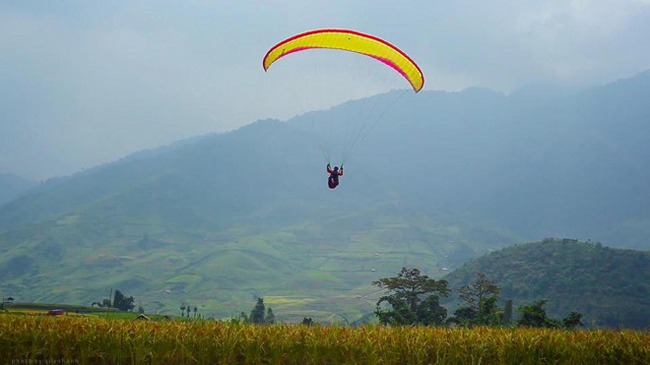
11, 186
563, 166
442, 178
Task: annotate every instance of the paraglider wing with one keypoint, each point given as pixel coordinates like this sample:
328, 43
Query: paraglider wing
353, 41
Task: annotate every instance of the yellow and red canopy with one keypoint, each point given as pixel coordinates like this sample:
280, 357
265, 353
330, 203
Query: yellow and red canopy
353, 41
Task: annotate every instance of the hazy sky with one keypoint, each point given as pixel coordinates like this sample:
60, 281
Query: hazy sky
87, 82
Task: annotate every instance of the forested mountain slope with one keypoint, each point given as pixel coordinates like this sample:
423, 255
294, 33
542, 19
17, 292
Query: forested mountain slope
611, 287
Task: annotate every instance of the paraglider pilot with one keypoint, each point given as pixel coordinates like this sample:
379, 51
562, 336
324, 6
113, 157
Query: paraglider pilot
333, 180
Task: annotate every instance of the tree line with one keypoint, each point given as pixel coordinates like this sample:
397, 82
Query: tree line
120, 301
414, 299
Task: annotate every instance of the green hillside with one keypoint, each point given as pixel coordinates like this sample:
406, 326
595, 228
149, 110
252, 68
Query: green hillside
184, 225
296, 269
611, 287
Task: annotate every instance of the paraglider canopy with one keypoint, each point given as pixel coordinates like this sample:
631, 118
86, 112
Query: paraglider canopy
353, 41
348, 132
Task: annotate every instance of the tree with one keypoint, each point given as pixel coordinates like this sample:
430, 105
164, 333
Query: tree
118, 298
463, 316
399, 314
490, 314
195, 309
183, 310
121, 302
572, 320
257, 314
188, 310
270, 317
140, 310
430, 312
479, 290
534, 315
413, 299
481, 307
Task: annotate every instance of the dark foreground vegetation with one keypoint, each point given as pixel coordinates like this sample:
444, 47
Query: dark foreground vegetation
92, 341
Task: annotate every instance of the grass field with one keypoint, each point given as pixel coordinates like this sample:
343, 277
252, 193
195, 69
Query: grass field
89, 340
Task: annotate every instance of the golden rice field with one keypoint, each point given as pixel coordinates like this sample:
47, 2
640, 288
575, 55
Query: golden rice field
85, 340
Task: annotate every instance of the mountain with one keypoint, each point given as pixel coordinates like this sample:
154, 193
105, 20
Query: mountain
610, 287
217, 223
11, 186
442, 178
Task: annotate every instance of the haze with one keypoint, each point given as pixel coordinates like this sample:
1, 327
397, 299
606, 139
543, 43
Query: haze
84, 83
